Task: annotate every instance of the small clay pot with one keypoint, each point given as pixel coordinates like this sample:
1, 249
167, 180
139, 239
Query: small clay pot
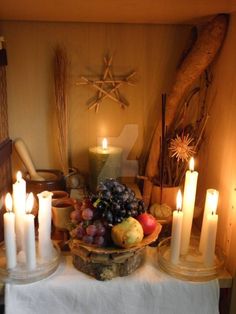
168, 195
61, 209
54, 181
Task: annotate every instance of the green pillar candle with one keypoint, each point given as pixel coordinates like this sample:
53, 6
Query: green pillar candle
104, 163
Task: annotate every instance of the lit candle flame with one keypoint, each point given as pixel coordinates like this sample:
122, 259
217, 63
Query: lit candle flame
104, 144
213, 200
191, 164
8, 202
18, 176
179, 200
29, 203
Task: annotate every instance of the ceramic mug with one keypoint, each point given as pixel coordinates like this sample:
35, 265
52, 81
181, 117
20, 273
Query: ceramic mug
57, 195
61, 209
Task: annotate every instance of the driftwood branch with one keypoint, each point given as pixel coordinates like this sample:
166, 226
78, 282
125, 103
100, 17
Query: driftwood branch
198, 59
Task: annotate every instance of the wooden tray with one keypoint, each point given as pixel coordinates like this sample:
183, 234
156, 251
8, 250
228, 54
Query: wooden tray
107, 263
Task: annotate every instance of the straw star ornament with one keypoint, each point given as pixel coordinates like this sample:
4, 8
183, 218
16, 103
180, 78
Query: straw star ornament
180, 147
108, 86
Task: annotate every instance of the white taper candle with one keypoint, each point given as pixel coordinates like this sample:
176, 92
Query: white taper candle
44, 217
29, 234
210, 206
19, 198
9, 233
176, 230
190, 187
209, 247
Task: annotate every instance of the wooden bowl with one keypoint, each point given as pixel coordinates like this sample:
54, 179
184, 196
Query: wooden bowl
107, 263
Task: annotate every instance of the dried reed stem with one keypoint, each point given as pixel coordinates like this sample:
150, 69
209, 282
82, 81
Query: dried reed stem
61, 80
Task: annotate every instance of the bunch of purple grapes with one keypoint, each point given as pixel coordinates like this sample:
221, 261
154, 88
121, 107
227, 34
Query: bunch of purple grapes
115, 201
87, 225
94, 217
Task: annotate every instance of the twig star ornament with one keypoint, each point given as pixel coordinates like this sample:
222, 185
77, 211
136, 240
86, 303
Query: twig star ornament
108, 86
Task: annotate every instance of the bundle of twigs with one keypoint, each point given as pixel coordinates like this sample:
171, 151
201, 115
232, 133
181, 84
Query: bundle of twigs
61, 84
188, 127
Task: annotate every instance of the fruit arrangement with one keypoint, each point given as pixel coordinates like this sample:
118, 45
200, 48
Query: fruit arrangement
113, 216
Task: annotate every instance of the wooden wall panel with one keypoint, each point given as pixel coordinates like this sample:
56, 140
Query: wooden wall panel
151, 50
129, 11
217, 160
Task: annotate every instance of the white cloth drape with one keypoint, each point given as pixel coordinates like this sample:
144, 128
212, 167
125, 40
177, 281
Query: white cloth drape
147, 290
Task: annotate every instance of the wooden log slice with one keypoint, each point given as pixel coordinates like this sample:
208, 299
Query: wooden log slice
108, 270
107, 263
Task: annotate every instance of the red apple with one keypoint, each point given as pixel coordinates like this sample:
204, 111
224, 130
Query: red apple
148, 222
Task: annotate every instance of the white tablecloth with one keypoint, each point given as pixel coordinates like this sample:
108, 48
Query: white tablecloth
147, 290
